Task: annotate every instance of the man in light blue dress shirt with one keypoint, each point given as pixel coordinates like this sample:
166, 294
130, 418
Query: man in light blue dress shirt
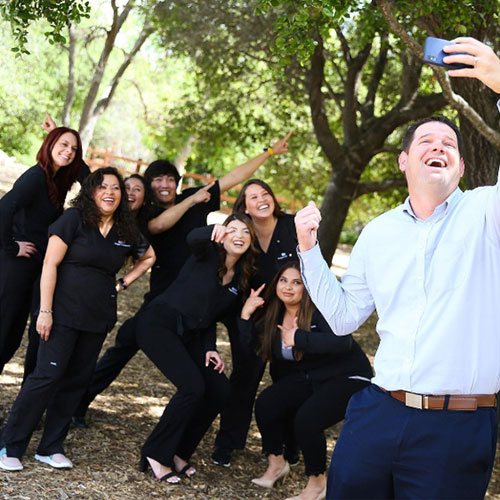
426, 427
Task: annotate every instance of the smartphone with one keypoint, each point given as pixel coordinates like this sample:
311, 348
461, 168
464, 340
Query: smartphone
433, 53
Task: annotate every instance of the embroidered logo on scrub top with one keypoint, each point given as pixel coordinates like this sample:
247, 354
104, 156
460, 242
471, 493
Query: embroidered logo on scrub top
284, 255
121, 243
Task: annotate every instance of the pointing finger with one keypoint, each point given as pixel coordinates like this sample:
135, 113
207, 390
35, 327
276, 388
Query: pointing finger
208, 186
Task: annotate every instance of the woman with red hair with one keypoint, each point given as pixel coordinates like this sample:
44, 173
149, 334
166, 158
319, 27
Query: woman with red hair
26, 211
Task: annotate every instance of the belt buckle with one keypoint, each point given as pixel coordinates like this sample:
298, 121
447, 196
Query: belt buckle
414, 400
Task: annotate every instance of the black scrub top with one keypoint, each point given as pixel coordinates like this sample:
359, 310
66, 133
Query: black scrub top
171, 248
85, 294
26, 212
197, 294
283, 247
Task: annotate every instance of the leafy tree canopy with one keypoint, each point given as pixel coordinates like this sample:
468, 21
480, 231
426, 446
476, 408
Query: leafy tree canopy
59, 14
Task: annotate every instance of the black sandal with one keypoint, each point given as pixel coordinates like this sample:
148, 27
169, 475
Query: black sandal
183, 471
167, 476
144, 465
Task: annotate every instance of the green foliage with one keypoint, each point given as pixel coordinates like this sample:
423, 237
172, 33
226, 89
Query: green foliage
449, 19
37, 82
22, 13
235, 102
231, 73
28, 89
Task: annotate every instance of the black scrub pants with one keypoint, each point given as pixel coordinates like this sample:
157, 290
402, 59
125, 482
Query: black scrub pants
18, 276
247, 372
313, 406
64, 366
201, 391
33, 337
111, 364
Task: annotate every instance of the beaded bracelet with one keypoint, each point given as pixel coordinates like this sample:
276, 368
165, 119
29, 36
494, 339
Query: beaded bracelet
46, 311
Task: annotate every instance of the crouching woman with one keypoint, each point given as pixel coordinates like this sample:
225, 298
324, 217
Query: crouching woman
314, 375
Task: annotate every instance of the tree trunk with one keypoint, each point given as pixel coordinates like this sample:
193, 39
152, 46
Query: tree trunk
87, 130
339, 194
481, 157
89, 120
70, 92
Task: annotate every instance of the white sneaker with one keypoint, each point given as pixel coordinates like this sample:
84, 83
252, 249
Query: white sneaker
57, 460
9, 463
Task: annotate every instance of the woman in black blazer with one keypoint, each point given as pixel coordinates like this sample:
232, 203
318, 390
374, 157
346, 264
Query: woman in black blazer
177, 332
314, 372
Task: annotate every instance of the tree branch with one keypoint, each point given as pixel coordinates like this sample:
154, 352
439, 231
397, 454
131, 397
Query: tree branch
116, 25
343, 44
461, 105
333, 95
456, 101
103, 103
367, 109
328, 142
387, 149
354, 66
379, 186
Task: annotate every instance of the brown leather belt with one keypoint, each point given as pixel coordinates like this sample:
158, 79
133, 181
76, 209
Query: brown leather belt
465, 403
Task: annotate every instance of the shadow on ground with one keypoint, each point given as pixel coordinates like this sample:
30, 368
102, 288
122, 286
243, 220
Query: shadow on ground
106, 455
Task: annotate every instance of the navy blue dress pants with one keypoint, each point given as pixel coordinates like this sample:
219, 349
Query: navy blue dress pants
388, 450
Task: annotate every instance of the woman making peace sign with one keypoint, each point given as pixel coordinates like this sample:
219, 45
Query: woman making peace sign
315, 373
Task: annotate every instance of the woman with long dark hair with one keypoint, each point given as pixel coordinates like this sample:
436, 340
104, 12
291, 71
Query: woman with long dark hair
314, 375
277, 243
87, 246
139, 199
177, 332
26, 211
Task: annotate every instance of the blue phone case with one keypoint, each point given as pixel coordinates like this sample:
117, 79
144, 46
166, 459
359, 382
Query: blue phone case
433, 53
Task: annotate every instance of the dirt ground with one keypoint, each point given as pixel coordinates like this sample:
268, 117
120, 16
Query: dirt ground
106, 455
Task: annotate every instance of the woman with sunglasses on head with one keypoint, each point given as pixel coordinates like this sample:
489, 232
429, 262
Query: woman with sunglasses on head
177, 332
314, 375
26, 211
87, 246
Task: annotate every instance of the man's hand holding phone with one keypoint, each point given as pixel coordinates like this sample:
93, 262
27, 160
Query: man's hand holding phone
465, 57
485, 64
